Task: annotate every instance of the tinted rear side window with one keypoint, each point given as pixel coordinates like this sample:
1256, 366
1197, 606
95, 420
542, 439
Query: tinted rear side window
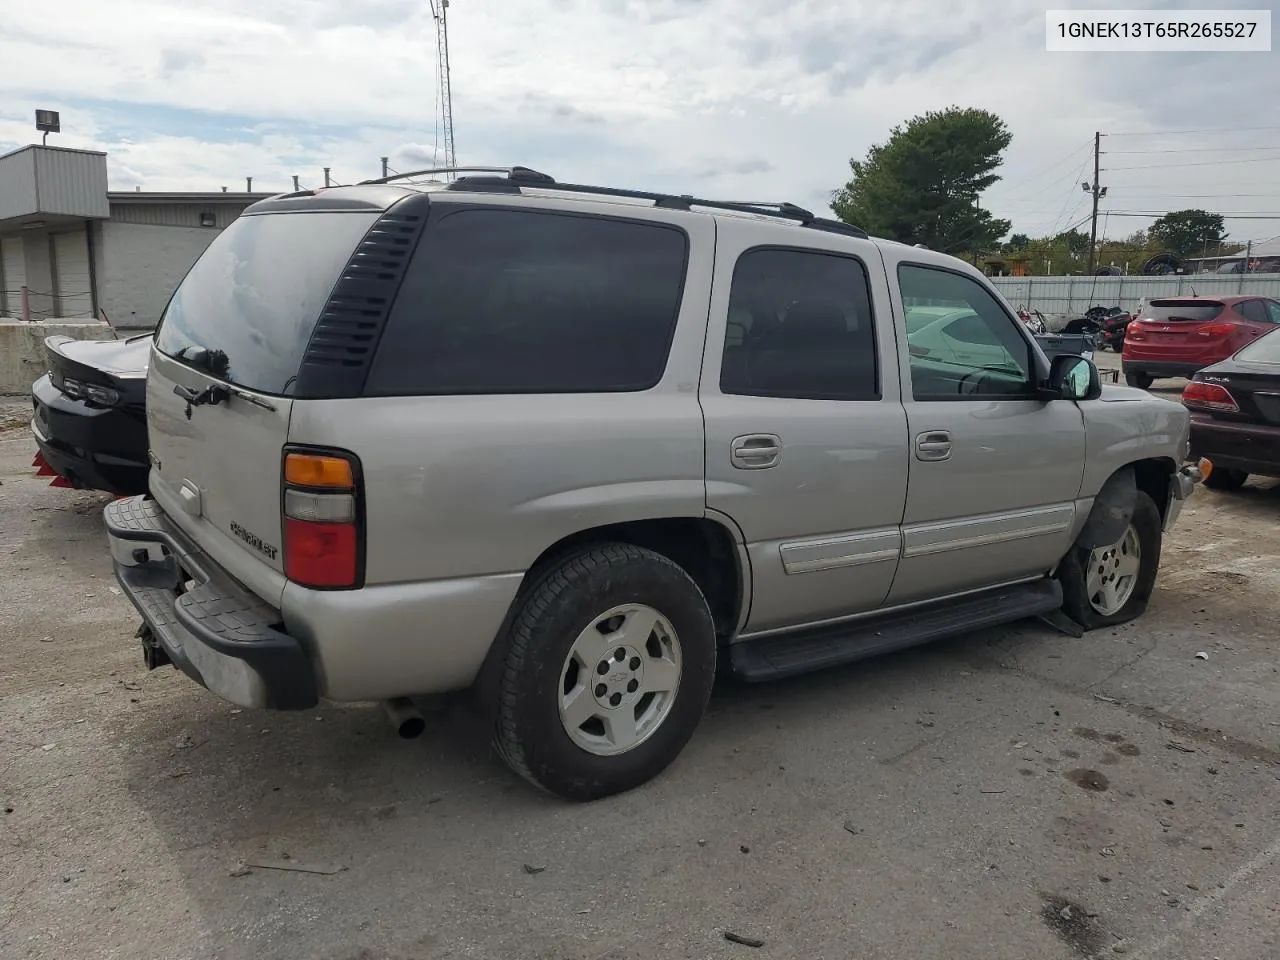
518, 301
246, 310
1174, 310
800, 326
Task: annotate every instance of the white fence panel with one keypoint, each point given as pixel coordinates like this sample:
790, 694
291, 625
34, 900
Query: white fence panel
1074, 295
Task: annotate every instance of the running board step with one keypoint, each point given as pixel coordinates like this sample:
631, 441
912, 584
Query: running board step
788, 654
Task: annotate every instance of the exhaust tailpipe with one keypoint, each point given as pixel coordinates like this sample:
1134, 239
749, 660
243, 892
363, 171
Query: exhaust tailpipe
404, 717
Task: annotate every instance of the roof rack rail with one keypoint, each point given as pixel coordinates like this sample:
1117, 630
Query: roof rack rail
784, 210
515, 174
517, 177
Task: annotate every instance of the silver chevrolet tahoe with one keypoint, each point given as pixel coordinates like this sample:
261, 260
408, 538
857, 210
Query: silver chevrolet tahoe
578, 448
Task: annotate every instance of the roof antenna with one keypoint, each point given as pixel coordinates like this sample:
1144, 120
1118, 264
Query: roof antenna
444, 83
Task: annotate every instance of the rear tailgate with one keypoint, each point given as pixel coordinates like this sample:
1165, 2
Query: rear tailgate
217, 473
1173, 329
226, 359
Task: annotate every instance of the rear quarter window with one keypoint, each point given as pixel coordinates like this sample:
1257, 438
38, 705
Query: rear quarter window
519, 301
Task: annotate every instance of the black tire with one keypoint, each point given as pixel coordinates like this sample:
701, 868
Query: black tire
1142, 381
1221, 478
1073, 572
565, 599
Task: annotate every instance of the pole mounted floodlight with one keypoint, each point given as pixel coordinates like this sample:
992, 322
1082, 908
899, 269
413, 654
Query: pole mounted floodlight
47, 122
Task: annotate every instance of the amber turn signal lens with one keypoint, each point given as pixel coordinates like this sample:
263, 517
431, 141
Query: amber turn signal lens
310, 470
1206, 468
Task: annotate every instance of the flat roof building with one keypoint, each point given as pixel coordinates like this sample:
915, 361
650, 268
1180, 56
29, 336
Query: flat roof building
72, 248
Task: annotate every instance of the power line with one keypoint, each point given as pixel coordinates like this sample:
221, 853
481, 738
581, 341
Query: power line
1116, 153
1172, 133
1228, 215
1156, 191
1023, 184
1197, 163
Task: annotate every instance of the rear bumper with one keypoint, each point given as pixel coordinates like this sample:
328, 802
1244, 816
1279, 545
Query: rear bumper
1161, 368
1251, 447
99, 448
213, 629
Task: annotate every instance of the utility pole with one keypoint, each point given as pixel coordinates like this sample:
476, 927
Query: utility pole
384, 166
1098, 193
1248, 254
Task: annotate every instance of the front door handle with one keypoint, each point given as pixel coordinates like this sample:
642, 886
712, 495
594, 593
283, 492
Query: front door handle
756, 451
933, 445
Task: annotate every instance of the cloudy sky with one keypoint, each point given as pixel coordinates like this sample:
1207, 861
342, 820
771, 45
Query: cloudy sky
740, 99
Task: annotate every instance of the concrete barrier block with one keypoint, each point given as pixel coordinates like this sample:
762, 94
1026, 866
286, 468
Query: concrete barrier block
22, 355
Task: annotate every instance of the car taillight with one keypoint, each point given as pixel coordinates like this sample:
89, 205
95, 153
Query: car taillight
323, 529
1133, 330
1209, 396
1216, 330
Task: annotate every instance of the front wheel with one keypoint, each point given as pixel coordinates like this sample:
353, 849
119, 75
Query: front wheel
609, 665
1111, 584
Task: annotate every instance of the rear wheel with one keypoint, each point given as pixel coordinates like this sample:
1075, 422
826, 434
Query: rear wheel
1142, 381
1224, 479
609, 666
1111, 584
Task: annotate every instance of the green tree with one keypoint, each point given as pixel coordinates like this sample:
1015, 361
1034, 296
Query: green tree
1019, 241
922, 185
1185, 232
1075, 242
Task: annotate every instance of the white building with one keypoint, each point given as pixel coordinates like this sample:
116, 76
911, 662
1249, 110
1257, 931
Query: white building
71, 248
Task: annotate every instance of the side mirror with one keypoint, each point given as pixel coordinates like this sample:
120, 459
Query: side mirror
1073, 378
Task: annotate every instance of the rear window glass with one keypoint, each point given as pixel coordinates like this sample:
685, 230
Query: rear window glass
1265, 349
245, 312
518, 301
1173, 310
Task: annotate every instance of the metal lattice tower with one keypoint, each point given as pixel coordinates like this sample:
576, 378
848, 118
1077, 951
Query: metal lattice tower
444, 92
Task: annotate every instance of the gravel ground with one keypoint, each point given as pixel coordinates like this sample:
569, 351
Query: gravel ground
1008, 795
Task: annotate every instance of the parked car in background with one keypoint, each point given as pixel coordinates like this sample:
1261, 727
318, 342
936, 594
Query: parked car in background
1177, 336
1235, 415
89, 414
580, 449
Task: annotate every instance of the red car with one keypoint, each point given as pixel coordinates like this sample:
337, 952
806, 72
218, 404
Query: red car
1180, 335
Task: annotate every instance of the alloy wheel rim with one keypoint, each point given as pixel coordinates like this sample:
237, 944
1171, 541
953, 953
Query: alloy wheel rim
619, 680
1113, 573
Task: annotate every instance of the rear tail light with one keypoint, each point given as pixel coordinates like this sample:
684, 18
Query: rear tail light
323, 529
1133, 331
1212, 330
1209, 396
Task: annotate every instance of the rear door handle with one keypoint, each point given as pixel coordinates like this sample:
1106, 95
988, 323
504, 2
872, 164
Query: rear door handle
756, 451
933, 445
